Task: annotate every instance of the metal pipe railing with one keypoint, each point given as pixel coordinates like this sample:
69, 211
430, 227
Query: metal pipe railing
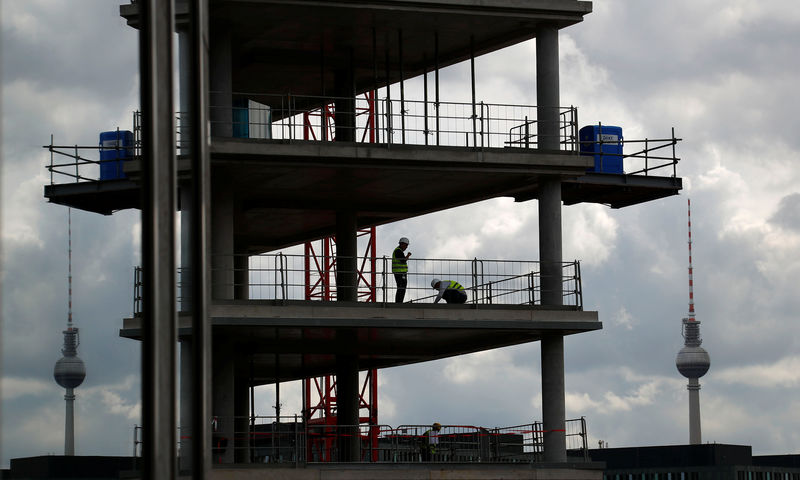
312, 118
293, 118
289, 440
283, 277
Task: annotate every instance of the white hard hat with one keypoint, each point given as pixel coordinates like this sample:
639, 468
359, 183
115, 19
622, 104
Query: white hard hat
404, 240
434, 282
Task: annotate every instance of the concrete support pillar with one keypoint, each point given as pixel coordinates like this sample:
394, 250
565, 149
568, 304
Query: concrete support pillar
185, 354
547, 87
221, 79
185, 207
346, 252
241, 275
185, 293
347, 400
241, 422
547, 96
695, 437
345, 103
550, 244
347, 363
553, 408
222, 253
185, 406
184, 87
223, 402
550, 241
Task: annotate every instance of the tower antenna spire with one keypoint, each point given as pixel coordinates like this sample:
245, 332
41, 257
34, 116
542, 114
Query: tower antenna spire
69, 277
691, 271
692, 361
69, 371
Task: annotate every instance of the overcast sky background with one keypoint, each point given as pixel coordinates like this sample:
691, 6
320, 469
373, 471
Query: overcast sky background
723, 73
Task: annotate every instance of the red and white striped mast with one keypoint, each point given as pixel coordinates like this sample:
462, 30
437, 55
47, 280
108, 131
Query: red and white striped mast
692, 361
691, 276
69, 371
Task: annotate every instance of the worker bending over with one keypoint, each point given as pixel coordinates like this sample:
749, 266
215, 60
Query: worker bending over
450, 290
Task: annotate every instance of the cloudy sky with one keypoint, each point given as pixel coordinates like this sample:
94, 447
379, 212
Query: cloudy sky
723, 73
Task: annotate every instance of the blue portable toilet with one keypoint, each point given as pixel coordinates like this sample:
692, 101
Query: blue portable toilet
604, 143
241, 118
115, 147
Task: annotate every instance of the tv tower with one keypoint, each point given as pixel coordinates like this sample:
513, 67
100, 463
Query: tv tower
692, 361
70, 371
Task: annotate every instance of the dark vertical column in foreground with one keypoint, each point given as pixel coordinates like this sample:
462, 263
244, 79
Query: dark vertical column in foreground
199, 242
547, 99
345, 101
346, 357
346, 277
158, 239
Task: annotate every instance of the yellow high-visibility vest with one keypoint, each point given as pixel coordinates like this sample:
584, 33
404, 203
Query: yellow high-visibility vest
399, 266
455, 286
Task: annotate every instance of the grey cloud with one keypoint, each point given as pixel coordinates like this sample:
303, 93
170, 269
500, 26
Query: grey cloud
652, 50
57, 44
787, 216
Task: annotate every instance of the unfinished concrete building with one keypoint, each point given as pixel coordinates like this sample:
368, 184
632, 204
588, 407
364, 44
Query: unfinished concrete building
312, 134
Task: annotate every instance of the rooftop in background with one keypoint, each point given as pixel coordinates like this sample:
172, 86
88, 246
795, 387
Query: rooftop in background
704, 461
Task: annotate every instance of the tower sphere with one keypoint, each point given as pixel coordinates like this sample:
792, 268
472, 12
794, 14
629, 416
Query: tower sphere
69, 372
693, 362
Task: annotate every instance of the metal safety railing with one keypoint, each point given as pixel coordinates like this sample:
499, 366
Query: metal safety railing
486, 282
289, 440
279, 276
649, 155
381, 121
388, 121
300, 118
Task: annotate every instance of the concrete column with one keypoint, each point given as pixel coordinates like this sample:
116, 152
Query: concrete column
345, 103
550, 244
547, 97
347, 401
222, 287
185, 358
185, 207
222, 278
550, 241
221, 91
185, 406
223, 407
347, 364
184, 82
553, 409
547, 87
241, 411
695, 437
346, 252
241, 275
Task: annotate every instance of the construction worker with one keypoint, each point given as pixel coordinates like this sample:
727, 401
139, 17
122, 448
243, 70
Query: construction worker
450, 290
400, 268
430, 442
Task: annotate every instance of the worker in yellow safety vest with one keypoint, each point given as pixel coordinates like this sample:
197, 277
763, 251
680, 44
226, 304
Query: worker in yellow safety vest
400, 268
450, 290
